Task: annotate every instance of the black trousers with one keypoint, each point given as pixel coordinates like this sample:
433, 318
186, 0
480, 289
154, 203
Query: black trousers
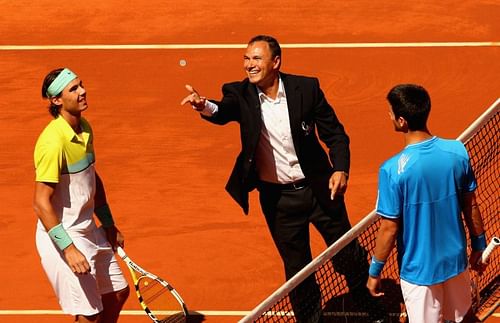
288, 214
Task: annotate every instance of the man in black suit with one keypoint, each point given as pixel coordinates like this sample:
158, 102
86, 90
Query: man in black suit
282, 157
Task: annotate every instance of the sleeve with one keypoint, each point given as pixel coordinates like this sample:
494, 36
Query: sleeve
228, 108
331, 131
210, 109
48, 162
470, 183
389, 196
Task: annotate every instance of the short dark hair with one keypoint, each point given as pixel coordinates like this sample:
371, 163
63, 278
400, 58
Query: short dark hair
274, 46
53, 109
412, 102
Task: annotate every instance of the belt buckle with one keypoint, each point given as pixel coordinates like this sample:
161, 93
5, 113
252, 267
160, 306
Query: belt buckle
298, 185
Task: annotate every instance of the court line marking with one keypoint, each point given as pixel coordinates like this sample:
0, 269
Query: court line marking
141, 313
123, 312
239, 46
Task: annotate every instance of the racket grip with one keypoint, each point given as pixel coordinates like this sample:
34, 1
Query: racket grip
495, 242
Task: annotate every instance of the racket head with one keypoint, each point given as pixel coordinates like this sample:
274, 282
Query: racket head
160, 300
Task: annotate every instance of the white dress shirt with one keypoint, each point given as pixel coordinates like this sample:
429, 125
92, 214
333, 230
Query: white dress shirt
275, 157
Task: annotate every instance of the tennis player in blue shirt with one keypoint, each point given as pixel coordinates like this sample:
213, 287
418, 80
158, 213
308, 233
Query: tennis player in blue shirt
422, 192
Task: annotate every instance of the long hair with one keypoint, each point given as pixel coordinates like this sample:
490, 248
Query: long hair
53, 108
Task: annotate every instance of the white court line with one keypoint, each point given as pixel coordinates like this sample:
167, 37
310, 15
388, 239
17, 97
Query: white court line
141, 313
123, 312
232, 46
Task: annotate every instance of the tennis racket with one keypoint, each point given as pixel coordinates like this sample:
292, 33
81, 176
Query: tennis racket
159, 299
495, 242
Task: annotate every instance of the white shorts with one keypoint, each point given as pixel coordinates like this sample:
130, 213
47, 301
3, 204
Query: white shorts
449, 300
81, 294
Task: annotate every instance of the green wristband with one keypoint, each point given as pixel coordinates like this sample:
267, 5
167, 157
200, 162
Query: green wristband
60, 236
104, 215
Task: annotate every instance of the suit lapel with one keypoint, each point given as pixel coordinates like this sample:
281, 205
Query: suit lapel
252, 98
254, 121
294, 102
253, 102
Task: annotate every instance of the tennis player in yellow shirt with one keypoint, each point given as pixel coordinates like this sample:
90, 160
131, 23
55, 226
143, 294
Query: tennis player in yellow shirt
76, 254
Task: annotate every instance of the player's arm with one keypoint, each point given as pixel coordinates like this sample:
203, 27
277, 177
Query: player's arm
103, 213
45, 212
386, 239
474, 222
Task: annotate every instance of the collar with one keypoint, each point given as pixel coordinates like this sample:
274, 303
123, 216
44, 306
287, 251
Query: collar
423, 142
281, 92
68, 132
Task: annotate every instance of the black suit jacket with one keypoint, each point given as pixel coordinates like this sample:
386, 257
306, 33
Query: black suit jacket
308, 111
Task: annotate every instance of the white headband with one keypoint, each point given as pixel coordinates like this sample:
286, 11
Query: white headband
60, 82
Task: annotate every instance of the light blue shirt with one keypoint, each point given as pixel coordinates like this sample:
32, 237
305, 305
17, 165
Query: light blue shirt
422, 186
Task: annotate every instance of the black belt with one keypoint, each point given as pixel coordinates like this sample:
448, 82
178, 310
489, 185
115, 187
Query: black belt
294, 186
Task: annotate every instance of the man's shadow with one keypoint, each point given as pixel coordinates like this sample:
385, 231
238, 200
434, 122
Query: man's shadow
193, 317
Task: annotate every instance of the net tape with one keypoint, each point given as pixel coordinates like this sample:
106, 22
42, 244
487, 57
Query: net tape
482, 141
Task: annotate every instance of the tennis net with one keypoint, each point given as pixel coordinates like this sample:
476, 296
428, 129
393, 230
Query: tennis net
482, 141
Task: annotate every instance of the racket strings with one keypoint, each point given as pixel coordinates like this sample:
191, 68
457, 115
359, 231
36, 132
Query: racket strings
151, 289
160, 301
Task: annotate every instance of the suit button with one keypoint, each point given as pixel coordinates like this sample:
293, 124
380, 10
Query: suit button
250, 160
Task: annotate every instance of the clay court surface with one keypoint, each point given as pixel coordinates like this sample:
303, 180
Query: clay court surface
165, 169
